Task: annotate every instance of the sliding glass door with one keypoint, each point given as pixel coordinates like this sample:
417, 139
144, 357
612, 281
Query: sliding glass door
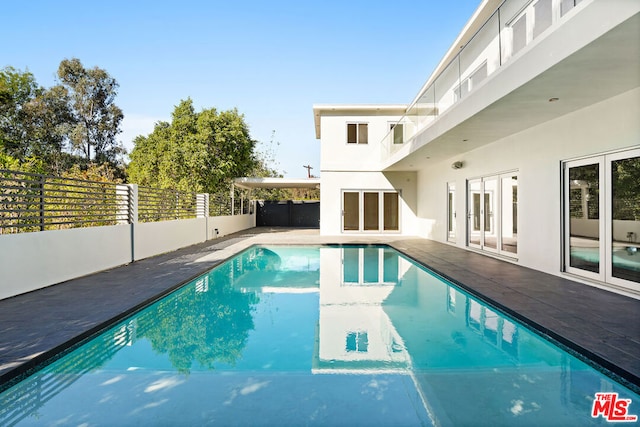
372, 211
602, 218
493, 213
451, 212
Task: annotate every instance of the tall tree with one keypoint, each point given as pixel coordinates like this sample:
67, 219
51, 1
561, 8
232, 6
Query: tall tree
16, 89
195, 152
97, 118
34, 122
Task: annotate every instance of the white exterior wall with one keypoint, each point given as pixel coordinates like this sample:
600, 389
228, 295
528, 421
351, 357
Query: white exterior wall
580, 60
337, 155
355, 167
537, 154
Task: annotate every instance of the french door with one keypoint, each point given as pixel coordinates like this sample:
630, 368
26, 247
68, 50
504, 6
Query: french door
373, 211
492, 214
602, 218
451, 212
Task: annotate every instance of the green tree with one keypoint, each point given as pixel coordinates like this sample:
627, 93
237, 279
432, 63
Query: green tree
197, 151
34, 122
16, 89
96, 117
208, 328
47, 124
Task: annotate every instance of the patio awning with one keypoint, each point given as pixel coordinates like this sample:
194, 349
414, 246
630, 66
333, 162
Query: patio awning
252, 183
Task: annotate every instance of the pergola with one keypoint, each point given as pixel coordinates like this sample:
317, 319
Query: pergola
253, 183
248, 183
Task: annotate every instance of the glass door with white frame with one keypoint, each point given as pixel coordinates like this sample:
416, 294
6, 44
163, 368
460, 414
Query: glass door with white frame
624, 228
582, 192
451, 212
474, 216
492, 216
602, 218
350, 210
371, 211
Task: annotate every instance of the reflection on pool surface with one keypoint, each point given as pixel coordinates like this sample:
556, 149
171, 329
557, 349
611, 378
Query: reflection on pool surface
314, 336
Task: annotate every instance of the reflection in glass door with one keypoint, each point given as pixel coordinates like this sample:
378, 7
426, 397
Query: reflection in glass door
584, 216
493, 213
509, 213
624, 232
602, 218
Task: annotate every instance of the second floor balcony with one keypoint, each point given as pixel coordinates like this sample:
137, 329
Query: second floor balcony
516, 64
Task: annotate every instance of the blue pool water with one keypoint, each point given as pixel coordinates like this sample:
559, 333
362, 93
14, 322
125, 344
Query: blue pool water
314, 336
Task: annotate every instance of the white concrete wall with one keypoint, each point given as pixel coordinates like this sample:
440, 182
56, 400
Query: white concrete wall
537, 154
333, 183
229, 224
154, 238
336, 154
31, 261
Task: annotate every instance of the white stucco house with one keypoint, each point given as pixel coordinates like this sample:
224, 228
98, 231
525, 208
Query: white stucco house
523, 144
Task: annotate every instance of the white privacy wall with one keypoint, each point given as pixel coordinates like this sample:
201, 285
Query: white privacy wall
30, 261
537, 153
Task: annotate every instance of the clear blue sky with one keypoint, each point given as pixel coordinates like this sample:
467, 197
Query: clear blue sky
271, 59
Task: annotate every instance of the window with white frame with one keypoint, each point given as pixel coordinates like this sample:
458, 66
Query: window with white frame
530, 23
471, 82
567, 5
357, 133
542, 16
397, 130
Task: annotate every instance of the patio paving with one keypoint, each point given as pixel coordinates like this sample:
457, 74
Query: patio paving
599, 324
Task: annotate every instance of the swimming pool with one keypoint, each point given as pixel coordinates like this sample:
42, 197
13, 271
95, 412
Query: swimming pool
343, 335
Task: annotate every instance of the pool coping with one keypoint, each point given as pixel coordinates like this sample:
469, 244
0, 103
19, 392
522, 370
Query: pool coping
27, 342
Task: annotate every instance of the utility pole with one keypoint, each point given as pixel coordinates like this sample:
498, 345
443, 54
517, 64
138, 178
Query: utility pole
308, 167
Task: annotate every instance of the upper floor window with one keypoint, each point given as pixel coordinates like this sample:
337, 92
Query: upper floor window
567, 5
357, 133
471, 82
398, 132
532, 22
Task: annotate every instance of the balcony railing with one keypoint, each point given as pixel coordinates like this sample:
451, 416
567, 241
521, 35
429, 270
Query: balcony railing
513, 25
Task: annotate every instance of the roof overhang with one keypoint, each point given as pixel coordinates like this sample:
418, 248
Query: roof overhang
254, 183
525, 93
356, 110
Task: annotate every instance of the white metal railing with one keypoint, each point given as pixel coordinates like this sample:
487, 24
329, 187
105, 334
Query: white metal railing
512, 26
